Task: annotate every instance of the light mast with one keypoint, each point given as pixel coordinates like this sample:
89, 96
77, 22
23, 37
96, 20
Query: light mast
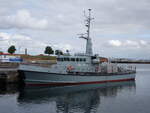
89, 51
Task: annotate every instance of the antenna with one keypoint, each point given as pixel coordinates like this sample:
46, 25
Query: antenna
87, 24
86, 35
82, 35
88, 20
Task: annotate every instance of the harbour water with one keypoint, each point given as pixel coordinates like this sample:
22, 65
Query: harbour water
121, 97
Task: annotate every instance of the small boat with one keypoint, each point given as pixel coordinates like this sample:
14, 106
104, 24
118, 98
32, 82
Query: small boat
81, 68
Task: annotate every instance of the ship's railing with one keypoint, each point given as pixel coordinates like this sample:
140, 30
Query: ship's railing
79, 54
35, 63
127, 68
114, 68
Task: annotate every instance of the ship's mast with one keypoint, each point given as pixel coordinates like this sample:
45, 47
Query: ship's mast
89, 51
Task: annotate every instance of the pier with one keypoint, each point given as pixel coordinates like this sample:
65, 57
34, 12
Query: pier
9, 72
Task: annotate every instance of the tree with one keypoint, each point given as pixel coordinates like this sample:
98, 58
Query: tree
58, 52
11, 49
48, 50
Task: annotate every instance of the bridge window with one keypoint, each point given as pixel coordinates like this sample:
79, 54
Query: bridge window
81, 59
84, 59
60, 59
93, 57
72, 59
66, 59
77, 59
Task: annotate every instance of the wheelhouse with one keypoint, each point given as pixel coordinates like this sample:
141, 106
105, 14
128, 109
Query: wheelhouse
71, 59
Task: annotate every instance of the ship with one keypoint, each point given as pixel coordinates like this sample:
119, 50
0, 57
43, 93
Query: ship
77, 69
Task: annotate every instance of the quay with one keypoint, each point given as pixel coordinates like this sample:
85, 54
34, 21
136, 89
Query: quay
9, 72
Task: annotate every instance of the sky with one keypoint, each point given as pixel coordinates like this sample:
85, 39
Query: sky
120, 29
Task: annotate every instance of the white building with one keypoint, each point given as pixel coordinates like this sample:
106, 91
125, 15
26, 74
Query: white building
5, 57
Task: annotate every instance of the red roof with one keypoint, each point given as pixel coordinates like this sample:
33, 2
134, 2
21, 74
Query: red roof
5, 54
9, 54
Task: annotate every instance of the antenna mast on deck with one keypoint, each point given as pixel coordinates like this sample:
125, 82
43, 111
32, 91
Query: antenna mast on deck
88, 19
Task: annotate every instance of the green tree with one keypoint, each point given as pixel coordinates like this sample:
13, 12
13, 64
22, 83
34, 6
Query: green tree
11, 49
58, 52
48, 50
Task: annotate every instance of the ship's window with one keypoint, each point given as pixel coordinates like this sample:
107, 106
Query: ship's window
81, 59
84, 59
68, 59
72, 59
77, 59
93, 57
65, 59
58, 59
61, 59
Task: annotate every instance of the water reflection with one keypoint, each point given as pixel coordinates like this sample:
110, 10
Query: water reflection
8, 89
84, 98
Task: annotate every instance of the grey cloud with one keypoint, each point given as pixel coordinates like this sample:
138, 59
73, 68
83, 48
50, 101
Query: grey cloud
114, 19
23, 20
127, 44
111, 16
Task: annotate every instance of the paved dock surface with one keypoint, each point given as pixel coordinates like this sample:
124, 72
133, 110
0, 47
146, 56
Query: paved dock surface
8, 69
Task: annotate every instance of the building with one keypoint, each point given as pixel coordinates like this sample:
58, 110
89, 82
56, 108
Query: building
6, 57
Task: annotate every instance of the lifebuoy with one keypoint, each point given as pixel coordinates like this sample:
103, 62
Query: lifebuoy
69, 68
96, 69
